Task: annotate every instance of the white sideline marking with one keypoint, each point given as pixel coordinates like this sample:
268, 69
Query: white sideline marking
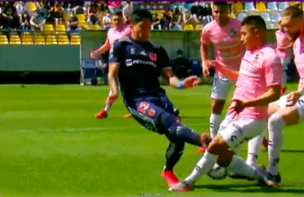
69, 129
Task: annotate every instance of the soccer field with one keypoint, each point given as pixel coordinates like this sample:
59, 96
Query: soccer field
51, 145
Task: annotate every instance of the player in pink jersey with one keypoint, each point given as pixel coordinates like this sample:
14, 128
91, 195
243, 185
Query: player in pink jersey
289, 110
258, 84
118, 30
283, 50
224, 34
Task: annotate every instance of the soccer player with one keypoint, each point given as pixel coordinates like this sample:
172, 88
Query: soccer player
283, 50
258, 84
137, 64
224, 34
289, 110
118, 30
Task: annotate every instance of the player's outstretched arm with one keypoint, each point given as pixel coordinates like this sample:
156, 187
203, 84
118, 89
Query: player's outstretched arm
103, 48
233, 75
188, 82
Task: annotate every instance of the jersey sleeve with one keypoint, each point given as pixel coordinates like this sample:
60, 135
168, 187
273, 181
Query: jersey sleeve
163, 59
115, 55
205, 37
273, 70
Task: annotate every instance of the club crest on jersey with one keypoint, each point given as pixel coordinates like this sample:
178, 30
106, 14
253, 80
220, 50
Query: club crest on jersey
153, 56
256, 57
132, 51
233, 32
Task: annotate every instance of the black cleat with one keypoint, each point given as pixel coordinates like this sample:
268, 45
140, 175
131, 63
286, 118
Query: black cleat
273, 180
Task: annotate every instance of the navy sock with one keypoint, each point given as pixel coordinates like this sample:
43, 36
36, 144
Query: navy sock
173, 154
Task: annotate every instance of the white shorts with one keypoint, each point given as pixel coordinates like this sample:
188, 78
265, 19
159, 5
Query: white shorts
220, 88
299, 105
236, 132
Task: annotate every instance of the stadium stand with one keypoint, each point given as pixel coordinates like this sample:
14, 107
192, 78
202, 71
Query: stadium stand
53, 18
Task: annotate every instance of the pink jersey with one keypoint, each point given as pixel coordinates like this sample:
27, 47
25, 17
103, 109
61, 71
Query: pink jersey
298, 50
258, 70
228, 48
282, 41
115, 33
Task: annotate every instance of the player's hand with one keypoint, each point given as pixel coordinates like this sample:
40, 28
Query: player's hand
239, 105
292, 98
191, 81
93, 54
206, 68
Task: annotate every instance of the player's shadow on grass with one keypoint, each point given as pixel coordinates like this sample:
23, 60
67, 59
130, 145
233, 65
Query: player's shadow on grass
252, 188
289, 151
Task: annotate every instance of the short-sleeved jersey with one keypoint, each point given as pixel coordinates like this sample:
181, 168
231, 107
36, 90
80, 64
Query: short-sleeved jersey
226, 41
116, 33
259, 70
298, 50
282, 41
141, 65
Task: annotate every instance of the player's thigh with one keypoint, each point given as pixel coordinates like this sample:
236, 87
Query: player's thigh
238, 132
166, 103
147, 113
284, 79
220, 88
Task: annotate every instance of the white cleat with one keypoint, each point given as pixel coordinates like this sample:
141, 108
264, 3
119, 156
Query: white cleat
182, 187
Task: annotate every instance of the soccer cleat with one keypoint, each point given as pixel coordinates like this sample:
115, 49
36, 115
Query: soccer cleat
273, 180
101, 114
182, 187
201, 150
205, 140
127, 116
265, 143
170, 177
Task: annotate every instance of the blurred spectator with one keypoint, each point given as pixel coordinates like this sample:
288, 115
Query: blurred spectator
114, 6
197, 10
166, 20
7, 19
176, 20
92, 13
188, 18
56, 13
127, 11
106, 20
72, 25
25, 21
19, 7
181, 66
37, 21
156, 23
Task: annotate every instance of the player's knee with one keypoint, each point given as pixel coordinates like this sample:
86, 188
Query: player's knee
217, 145
217, 106
275, 121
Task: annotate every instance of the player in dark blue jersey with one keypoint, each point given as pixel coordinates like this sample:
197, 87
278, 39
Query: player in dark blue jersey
138, 64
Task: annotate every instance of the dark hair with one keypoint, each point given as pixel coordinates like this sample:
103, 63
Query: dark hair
255, 20
220, 3
138, 15
119, 13
292, 11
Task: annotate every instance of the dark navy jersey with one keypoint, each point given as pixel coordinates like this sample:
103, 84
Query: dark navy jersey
141, 65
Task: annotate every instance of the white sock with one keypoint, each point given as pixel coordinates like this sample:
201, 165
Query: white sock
239, 166
214, 124
275, 143
254, 149
108, 105
203, 166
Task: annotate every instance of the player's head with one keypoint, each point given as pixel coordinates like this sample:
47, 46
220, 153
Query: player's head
253, 32
141, 21
292, 21
117, 19
220, 11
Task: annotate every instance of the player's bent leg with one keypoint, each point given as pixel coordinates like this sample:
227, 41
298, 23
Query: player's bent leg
284, 117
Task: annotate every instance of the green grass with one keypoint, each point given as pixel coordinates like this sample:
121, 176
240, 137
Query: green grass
51, 145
